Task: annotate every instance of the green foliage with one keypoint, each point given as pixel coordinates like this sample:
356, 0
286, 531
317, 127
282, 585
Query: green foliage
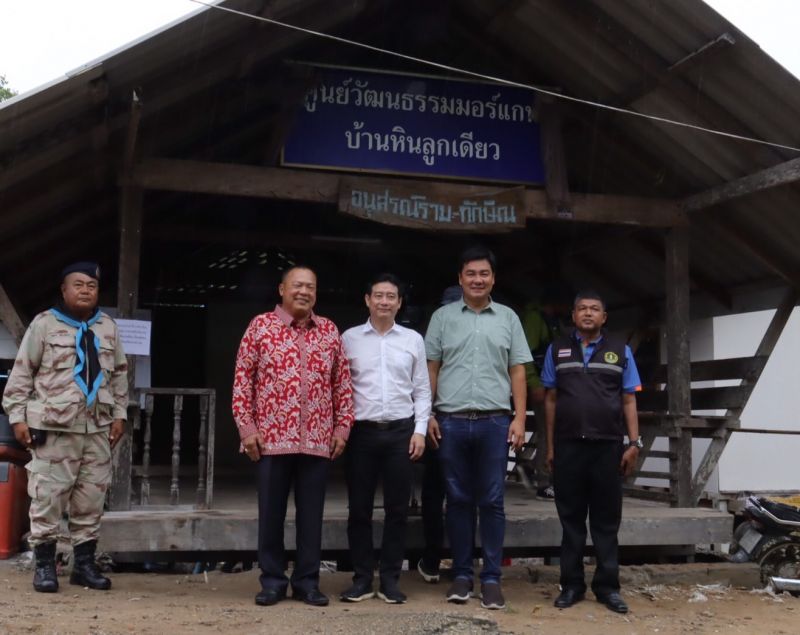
5, 91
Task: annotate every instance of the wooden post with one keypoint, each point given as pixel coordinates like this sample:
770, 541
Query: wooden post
174, 485
678, 364
127, 302
556, 183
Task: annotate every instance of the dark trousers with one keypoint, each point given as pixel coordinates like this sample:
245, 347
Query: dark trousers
543, 477
432, 498
587, 480
375, 455
276, 476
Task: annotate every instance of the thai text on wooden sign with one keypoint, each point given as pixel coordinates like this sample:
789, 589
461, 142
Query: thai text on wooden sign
433, 206
410, 124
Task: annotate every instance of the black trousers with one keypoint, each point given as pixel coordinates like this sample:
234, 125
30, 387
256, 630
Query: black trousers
432, 499
375, 455
276, 476
587, 480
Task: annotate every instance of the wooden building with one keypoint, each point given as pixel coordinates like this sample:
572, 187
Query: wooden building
163, 161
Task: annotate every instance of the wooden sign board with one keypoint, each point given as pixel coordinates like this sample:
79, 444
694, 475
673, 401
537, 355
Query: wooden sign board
435, 207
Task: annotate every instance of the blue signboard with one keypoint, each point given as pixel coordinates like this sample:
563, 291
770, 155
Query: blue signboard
408, 124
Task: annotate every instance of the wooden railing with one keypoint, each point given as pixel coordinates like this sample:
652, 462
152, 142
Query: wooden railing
204, 492
655, 422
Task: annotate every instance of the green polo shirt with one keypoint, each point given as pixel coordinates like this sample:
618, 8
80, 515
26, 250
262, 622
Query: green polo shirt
475, 350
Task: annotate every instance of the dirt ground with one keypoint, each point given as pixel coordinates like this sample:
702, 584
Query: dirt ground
664, 599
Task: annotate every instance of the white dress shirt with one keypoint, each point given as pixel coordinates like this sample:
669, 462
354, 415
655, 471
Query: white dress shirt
390, 374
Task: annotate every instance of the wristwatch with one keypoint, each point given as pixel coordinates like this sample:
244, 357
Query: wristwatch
636, 444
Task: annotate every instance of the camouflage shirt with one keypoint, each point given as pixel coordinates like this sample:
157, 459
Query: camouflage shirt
41, 390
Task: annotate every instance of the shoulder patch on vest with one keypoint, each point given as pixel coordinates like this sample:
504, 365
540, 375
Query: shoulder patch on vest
564, 352
611, 357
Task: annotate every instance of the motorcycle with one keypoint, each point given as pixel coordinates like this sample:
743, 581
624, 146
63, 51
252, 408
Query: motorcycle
770, 536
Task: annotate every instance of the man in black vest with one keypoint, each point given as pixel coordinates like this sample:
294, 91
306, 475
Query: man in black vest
590, 404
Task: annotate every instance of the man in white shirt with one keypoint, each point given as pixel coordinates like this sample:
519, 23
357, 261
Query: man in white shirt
392, 396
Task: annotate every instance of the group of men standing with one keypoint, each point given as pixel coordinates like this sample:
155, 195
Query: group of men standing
303, 395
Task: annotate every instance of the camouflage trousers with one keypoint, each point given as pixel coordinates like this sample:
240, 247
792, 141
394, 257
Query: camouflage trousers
69, 473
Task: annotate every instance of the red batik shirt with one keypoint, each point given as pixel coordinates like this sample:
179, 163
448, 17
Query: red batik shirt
292, 384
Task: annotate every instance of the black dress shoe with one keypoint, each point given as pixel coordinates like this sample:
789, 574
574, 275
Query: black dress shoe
268, 597
567, 598
613, 601
314, 597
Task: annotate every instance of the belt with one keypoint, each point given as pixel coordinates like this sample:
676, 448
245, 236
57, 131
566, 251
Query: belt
475, 414
384, 425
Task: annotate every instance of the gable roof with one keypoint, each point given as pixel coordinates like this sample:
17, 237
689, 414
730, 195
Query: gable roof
216, 86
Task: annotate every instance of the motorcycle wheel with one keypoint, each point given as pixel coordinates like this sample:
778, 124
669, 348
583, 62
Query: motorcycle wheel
780, 558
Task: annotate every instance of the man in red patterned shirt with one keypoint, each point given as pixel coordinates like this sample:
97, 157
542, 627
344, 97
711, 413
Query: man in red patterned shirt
293, 406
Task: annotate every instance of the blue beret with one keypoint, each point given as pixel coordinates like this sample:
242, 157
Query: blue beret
91, 269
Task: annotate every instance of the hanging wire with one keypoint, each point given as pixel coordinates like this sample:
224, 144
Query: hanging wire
497, 80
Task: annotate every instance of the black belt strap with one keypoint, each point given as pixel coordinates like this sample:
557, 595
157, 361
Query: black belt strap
384, 425
475, 414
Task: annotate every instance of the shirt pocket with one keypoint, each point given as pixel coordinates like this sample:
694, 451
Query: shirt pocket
320, 358
105, 406
59, 352
59, 411
106, 356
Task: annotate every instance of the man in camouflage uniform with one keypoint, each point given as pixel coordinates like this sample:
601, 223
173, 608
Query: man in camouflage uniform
67, 399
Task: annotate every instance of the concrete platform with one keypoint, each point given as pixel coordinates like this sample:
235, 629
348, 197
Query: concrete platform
532, 525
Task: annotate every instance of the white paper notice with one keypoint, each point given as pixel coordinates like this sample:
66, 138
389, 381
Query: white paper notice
135, 336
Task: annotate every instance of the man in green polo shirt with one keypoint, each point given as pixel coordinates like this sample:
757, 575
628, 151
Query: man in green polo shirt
476, 353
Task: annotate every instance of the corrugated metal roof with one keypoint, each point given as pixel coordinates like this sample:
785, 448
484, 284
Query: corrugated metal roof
213, 86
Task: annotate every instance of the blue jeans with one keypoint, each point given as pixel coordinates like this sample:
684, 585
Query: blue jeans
474, 455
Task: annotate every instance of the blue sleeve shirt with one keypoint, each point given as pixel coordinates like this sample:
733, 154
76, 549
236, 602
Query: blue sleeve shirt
630, 374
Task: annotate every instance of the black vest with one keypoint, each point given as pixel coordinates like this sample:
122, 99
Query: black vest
589, 397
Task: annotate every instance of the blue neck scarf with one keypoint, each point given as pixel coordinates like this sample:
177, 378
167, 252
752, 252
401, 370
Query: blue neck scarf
87, 373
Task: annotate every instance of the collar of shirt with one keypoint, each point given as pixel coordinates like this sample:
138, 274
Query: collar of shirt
576, 334
465, 306
288, 320
368, 327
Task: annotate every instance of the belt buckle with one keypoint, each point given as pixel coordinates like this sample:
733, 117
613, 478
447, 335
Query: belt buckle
472, 415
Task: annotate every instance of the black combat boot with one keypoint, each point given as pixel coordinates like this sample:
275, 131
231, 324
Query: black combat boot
84, 568
44, 575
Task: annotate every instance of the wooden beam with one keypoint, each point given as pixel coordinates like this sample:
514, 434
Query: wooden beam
16, 219
669, 74
678, 359
49, 238
781, 174
61, 103
598, 268
762, 253
699, 279
241, 238
592, 19
21, 167
768, 342
323, 187
46, 266
10, 317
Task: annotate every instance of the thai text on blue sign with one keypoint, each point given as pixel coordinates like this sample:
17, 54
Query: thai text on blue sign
433, 206
408, 124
